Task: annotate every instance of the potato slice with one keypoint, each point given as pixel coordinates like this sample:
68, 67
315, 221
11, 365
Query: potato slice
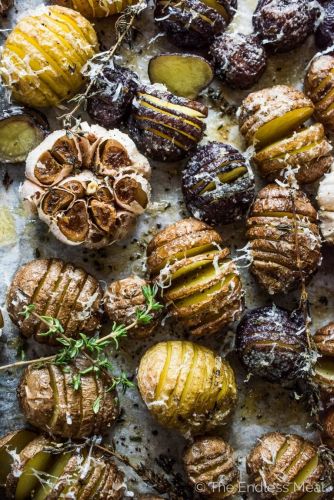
28, 480
15, 441
185, 75
55, 472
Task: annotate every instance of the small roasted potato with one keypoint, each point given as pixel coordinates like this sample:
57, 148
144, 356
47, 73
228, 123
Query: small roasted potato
166, 127
270, 114
319, 86
218, 184
186, 386
58, 289
193, 23
185, 75
239, 60
211, 468
285, 24
324, 36
40, 70
285, 463
88, 185
121, 301
37, 467
272, 343
202, 286
51, 403
325, 201
5, 5
305, 153
284, 239
97, 8
111, 95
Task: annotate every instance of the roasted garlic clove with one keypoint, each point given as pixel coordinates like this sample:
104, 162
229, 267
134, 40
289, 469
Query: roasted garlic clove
186, 386
284, 463
319, 86
50, 402
272, 343
325, 200
121, 301
211, 468
201, 284
86, 183
57, 289
306, 152
284, 239
217, 184
270, 114
164, 126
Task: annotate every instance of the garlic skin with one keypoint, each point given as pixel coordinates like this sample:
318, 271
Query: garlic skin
325, 200
88, 186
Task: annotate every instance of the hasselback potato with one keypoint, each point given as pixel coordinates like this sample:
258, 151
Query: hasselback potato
202, 286
97, 8
319, 86
218, 184
210, 467
186, 386
285, 464
50, 402
324, 367
35, 467
88, 186
121, 301
166, 127
43, 56
57, 289
193, 23
284, 239
325, 200
272, 343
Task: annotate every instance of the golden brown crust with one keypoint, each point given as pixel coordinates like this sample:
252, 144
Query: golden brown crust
209, 462
283, 237
328, 427
278, 461
324, 340
57, 289
319, 86
186, 386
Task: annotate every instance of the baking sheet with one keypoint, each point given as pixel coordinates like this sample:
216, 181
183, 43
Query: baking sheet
262, 407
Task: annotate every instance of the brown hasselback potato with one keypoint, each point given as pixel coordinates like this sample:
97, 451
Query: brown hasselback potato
324, 367
239, 60
284, 239
324, 340
186, 386
121, 300
285, 24
319, 86
211, 468
202, 286
57, 289
270, 114
284, 463
164, 126
35, 467
51, 403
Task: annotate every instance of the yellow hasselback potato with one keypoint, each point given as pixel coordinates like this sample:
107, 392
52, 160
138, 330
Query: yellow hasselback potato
43, 56
186, 386
97, 8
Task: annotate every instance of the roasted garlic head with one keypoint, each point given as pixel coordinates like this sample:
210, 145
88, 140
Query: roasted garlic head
51, 403
88, 187
186, 386
57, 289
201, 284
285, 464
284, 239
211, 468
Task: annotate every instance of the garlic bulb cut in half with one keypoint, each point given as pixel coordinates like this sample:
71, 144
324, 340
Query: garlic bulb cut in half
88, 186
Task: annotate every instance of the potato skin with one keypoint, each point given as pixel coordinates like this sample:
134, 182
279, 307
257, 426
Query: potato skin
324, 36
272, 343
264, 468
280, 257
58, 289
227, 202
328, 427
209, 462
197, 391
324, 340
284, 24
204, 290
